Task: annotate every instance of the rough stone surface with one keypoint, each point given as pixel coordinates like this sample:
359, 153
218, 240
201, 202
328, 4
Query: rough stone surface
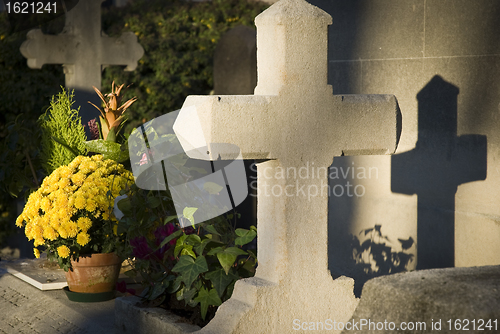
432, 295
25, 309
400, 47
294, 119
136, 320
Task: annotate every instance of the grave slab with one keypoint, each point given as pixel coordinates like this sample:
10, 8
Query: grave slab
38, 272
26, 309
432, 297
295, 123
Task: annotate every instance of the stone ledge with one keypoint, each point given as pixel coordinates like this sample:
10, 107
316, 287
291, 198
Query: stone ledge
132, 319
430, 295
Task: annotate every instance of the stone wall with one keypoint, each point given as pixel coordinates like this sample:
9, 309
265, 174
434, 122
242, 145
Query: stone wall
442, 61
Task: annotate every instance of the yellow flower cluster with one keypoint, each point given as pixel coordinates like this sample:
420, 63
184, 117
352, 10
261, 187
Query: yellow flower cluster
70, 199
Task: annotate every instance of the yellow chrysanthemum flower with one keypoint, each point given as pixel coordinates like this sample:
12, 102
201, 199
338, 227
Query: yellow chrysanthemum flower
50, 233
82, 239
36, 252
71, 200
91, 205
63, 251
20, 221
80, 202
84, 223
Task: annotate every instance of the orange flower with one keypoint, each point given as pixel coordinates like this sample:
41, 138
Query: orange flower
112, 115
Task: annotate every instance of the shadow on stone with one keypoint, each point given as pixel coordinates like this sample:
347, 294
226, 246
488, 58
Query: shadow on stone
440, 162
373, 255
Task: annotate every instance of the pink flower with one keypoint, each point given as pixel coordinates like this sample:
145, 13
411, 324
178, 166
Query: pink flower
144, 160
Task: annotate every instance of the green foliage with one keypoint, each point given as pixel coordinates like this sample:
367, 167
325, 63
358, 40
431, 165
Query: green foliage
63, 135
179, 39
198, 264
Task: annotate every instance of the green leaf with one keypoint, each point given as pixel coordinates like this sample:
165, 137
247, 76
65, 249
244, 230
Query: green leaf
220, 279
188, 250
212, 188
170, 237
175, 285
188, 214
186, 294
158, 289
201, 246
206, 298
244, 236
190, 268
228, 256
211, 229
125, 205
192, 239
215, 250
66, 146
235, 251
179, 245
169, 219
109, 149
111, 135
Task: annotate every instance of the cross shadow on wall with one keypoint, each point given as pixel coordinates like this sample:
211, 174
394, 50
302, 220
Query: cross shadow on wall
440, 162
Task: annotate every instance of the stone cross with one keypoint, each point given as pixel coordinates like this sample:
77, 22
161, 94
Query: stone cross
295, 123
440, 162
82, 49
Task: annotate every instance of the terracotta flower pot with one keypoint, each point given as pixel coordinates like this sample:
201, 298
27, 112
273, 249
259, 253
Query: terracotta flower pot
94, 273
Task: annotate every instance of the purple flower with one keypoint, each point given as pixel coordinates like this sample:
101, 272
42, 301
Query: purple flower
141, 248
161, 233
94, 129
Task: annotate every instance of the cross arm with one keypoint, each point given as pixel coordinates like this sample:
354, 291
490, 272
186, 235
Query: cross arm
242, 120
365, 124
38, 54
124, 50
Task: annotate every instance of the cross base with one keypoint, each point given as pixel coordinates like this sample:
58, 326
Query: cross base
260, 306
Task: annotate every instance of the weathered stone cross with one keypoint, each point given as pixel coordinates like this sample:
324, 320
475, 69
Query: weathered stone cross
297, 124
82, 49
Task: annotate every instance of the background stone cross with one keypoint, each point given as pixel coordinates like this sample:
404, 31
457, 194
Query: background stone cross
83, 49
295, 123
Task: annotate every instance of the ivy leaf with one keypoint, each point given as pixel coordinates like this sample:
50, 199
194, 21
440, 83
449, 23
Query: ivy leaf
215, 250
228, 256
170, 237
188, 250
220, 279
188, 214
201, 246
206, 298
244, 236
192, 239
169, 219
190, 268
211, 229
